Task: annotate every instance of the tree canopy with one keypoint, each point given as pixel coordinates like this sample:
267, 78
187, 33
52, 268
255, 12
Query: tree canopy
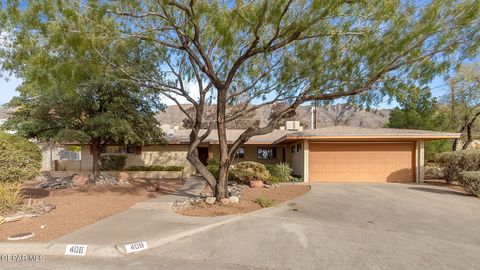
69, 92
242, 55
418, 110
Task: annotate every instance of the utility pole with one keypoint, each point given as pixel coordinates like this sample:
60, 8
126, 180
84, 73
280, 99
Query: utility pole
452, 99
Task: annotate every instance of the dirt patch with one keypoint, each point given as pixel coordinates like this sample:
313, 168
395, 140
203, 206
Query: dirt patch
80, 206
247, 201
437, 182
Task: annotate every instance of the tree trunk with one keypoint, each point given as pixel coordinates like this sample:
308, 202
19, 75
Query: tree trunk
469, 137
97, 161
455, 145
221, 189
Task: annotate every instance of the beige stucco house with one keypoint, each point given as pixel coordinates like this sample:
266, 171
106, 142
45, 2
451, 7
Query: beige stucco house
330, 154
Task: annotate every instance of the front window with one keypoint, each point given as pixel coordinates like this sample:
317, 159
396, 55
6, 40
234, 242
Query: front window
240, 152
266, 153
119, 149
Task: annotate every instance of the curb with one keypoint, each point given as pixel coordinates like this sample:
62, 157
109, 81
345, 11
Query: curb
117, 250
112, 250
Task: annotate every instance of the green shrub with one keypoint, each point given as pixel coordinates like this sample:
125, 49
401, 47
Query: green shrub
20, 160
453, 163
265, 202
273, 180
470, 181
155, 168
213, 161
433, 171
281, 172
249, 171
113, 162
10, 197
214, 170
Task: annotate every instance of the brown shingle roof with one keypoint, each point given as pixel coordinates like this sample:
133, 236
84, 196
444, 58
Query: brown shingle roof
278, 136
182, 136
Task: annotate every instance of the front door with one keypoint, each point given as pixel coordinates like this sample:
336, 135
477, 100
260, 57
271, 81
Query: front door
203, 154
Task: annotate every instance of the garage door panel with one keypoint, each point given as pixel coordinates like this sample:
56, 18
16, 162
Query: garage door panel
361, 162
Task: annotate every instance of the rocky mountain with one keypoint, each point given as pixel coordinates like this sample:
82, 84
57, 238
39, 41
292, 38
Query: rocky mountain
332, 115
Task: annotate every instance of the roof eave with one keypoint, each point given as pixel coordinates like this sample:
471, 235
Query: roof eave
330, 137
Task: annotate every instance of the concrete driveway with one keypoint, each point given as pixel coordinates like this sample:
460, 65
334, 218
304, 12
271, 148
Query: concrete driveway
334, 226
349, 226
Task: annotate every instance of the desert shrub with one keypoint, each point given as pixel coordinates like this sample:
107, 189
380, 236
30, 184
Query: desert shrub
155, 168
273, 180
453, 163
281, 172
249, 171
470, 181
20, 160
433, 171
113, 162
265, 202
297, 178
213, 161
214, 170
10, 197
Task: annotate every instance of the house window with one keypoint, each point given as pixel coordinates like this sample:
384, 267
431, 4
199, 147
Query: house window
119, 149
299, 147
293, 148
240, 152
266, 153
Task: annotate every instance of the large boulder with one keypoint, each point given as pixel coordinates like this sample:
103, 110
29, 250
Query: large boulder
234, 199
210, 200
123, 176
256, 184
80, 180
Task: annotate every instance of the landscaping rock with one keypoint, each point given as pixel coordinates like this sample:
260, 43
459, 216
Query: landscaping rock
234, 199
19, 216
232, 183
56, 183
2, 220
210, 200
104, 179
123, 176
151, 188
80, 180
224, 201
48, 207
42, 178
235, 190
256, 184
186, 203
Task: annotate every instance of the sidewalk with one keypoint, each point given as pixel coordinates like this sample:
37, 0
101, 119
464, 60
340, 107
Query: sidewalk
144, 221
152, 221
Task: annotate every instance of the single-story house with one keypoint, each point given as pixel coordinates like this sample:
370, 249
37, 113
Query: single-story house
329, 154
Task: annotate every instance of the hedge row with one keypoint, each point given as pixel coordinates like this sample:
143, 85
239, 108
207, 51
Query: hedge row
155, 168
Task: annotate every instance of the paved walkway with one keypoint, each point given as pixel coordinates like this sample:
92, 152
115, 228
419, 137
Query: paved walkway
145, 221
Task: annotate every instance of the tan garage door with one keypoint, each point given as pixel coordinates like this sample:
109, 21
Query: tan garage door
361, 162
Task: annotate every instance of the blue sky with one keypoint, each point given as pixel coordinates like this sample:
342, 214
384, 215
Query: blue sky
7, 90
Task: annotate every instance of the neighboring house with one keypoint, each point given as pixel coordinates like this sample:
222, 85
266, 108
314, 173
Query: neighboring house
329, 154
51, 154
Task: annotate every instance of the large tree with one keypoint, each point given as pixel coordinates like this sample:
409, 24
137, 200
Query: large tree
464, 101
417, 109
69, 93
243, 55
